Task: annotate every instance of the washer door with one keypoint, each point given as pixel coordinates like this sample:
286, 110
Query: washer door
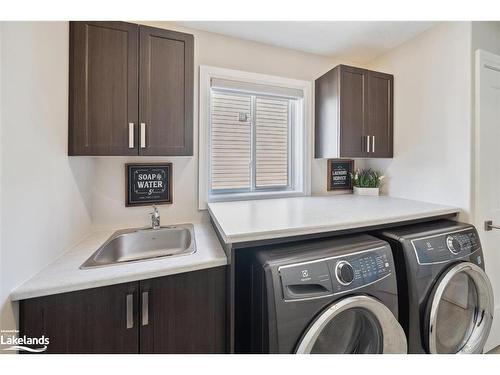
357, 324
461, 311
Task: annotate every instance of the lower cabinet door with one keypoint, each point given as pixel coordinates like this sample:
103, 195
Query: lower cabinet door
99, 320
184, 313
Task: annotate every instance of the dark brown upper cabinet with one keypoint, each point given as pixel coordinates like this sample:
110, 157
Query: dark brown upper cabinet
131, 90
354, 114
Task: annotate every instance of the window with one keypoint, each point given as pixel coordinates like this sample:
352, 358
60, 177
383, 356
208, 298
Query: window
249, 142
253, 136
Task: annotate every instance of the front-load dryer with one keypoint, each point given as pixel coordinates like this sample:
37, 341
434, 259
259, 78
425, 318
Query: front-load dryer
446, 299
326, 296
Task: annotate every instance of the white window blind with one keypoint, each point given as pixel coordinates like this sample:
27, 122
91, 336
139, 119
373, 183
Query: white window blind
250, 141
230, 141
271, 142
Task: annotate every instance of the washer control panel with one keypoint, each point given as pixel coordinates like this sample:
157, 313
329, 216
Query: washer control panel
446, 247
359, 269
336, 274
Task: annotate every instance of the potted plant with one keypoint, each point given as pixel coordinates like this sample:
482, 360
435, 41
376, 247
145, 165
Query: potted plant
366, 182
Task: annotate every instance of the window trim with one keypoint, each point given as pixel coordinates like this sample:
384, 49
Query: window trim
302, 176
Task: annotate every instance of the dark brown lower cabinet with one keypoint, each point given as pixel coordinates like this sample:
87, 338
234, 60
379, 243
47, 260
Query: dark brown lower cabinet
86, 321
183, 313
187, 313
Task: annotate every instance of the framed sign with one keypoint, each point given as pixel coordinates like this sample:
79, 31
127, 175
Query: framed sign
339, 174
148, 184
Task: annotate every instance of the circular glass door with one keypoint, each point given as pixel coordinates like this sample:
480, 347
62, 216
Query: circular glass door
461, 311
354, 325
352, 331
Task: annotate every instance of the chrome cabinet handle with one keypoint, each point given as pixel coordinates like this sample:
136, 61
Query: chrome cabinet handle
367, 143
488, 225
145, 308
373, 143
143, 135
130, 311
131, 135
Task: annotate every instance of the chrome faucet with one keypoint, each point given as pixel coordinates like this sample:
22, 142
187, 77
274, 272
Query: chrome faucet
155, 218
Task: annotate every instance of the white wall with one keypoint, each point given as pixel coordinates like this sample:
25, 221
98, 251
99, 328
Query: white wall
215, 50
45, 196
432, 117
486, 35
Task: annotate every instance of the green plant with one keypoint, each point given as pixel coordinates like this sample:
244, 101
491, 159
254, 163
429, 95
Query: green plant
366, 178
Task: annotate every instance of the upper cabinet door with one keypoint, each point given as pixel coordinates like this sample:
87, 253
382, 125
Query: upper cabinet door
353, 101
103, 94
166, 92
380, 114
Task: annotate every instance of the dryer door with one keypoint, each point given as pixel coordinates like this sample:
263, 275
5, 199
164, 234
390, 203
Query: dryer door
357, 324
460, 313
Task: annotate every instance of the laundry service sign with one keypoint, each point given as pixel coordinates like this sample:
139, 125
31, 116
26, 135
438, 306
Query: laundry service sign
148, 184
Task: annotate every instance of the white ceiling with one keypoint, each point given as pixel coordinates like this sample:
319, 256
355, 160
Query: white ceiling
356, 41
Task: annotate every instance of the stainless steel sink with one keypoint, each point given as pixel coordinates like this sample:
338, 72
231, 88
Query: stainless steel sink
134, 245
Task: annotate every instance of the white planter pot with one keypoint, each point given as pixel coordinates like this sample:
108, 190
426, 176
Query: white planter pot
366, 191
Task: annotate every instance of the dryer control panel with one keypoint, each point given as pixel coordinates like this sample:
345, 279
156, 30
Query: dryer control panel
446, 247
335, 275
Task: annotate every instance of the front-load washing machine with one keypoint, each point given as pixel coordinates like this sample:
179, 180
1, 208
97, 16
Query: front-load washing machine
326, 296
446, 299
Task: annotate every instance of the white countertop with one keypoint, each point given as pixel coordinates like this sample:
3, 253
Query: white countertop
253, 220
64, 274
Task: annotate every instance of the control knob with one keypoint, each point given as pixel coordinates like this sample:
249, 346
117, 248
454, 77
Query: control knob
453, 244
344, 272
